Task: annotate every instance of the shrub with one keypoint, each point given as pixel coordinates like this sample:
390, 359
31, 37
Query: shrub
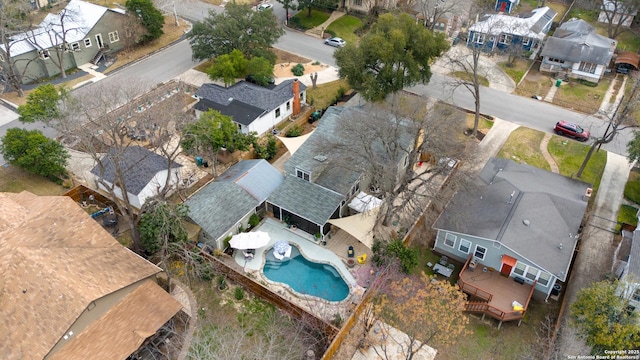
254, 220
294, 131
298, 70
587, 83
238, 293
315, 62
337, 320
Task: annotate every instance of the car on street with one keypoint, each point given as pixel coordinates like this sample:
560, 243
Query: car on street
335, 41
264, 6
571, 130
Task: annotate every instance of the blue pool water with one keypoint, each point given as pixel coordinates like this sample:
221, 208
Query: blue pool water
306, 277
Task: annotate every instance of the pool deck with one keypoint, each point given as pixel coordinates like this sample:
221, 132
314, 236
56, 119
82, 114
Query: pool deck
310, 249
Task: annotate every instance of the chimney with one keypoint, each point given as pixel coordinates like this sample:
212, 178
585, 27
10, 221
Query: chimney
296, 97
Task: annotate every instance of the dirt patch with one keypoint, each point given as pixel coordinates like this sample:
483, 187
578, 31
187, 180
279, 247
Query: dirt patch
286, 57
284, 69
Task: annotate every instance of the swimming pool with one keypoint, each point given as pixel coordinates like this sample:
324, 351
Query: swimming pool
306, 277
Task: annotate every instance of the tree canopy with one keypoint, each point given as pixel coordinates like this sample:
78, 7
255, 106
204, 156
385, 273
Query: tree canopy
395, 54
42, 104
34, 152
602, 317
149, 16
228, 67
238, 27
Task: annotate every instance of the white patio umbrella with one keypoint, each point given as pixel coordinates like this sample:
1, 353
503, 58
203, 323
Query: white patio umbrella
250, 240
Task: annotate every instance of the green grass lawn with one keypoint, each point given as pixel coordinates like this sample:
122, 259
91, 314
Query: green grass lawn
302, 21
632, 188
463, 75
570, 154
583, 98
324, 94
345, 27
534, 83
523, 146
14, 179
516, 72
627, 215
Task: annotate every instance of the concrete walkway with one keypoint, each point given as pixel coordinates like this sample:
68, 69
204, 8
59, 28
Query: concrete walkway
492, 142
544, 144
318, 31
608, 107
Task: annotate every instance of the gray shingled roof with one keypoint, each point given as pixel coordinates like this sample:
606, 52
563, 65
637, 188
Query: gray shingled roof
240, 112
308, 200
577, 41
634, 255
509, 193
235, 193
245, 94
138, 164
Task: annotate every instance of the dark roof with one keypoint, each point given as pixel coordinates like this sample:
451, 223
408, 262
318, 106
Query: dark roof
507, 196
245, 98
225, 201
577, 41
138, 164
634, 255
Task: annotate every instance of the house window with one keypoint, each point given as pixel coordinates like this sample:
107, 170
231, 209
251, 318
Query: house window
556, 60
44, 54
480, 252
465, 246
288, 105
87, 42
75, 46
357, 2
478, 38
278, 112
505, 39
520, 269
543, 278
636, 295
302, 174
526, 41
355, 188
587, 67
450, 240
113, 37
302, 97
532, 273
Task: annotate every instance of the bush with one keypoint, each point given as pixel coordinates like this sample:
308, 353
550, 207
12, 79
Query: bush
294, 131
587, 83
298, 70
384, 253
238, 293
254, 220
337, 320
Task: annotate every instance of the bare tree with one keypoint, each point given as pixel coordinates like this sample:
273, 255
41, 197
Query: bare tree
130, 30
617, 14
14, 21
432, 11
109, 120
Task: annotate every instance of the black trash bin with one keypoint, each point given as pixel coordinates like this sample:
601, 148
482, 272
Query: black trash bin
555, 291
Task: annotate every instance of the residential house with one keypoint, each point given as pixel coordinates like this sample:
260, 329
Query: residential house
69, 289
315, 189
445, 16
505, 6
224, 206
82, 32
524, 32
252, 107
577, 51
630, 284
517, 222
366, 6
145, 173
617, 12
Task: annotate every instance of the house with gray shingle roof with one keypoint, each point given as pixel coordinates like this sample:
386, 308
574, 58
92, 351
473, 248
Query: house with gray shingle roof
145, 173
518, 220
252, 107
224, 206
576, 50
75, 36
629, 286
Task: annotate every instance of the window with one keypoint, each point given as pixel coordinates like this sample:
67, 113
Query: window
355, 188
44, 54
532, 273
465, 246
478, 38
556, 60
302, 97
288, 105
450, 240
278, 112
543, 278
357, 2
113, 37
87, 42
520, 269
587, 67
526, 41
302, 174
480, 252
636, 295
75, 46
505, 39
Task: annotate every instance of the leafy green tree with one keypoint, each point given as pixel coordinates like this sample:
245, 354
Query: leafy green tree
228, 67
238, 27
34, 152
384, 252
601, 315
266, 152
287, 5
318, 4
42, 104
261, 70
149, 16
214, 132
395, 54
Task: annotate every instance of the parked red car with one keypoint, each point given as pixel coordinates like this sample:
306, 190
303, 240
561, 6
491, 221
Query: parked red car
571, 130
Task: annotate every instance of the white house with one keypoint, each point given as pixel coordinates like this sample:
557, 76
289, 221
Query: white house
252, 107
145, 173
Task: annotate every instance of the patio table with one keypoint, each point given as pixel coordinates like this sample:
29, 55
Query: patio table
442, 270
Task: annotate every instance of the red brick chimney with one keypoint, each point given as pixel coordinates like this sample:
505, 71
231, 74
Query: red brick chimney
296, 97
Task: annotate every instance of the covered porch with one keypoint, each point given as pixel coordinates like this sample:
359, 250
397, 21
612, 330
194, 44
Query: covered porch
494, 294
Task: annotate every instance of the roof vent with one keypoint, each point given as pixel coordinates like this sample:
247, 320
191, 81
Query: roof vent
230, 99
526, 222
560, 246
320, 158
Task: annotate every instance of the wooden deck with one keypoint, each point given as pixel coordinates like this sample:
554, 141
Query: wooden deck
493, 294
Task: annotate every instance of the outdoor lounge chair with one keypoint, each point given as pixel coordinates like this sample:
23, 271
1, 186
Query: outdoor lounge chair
351, 253
444, 260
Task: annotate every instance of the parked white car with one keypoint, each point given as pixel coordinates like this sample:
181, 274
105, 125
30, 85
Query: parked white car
264, 6
335, 41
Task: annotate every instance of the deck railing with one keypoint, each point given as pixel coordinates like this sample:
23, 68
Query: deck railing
472, 289
485, 308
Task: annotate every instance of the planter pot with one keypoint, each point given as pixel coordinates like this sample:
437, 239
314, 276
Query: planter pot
351, 263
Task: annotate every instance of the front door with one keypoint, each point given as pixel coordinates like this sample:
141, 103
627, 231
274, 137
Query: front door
503, 6
506, 269
99, 41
